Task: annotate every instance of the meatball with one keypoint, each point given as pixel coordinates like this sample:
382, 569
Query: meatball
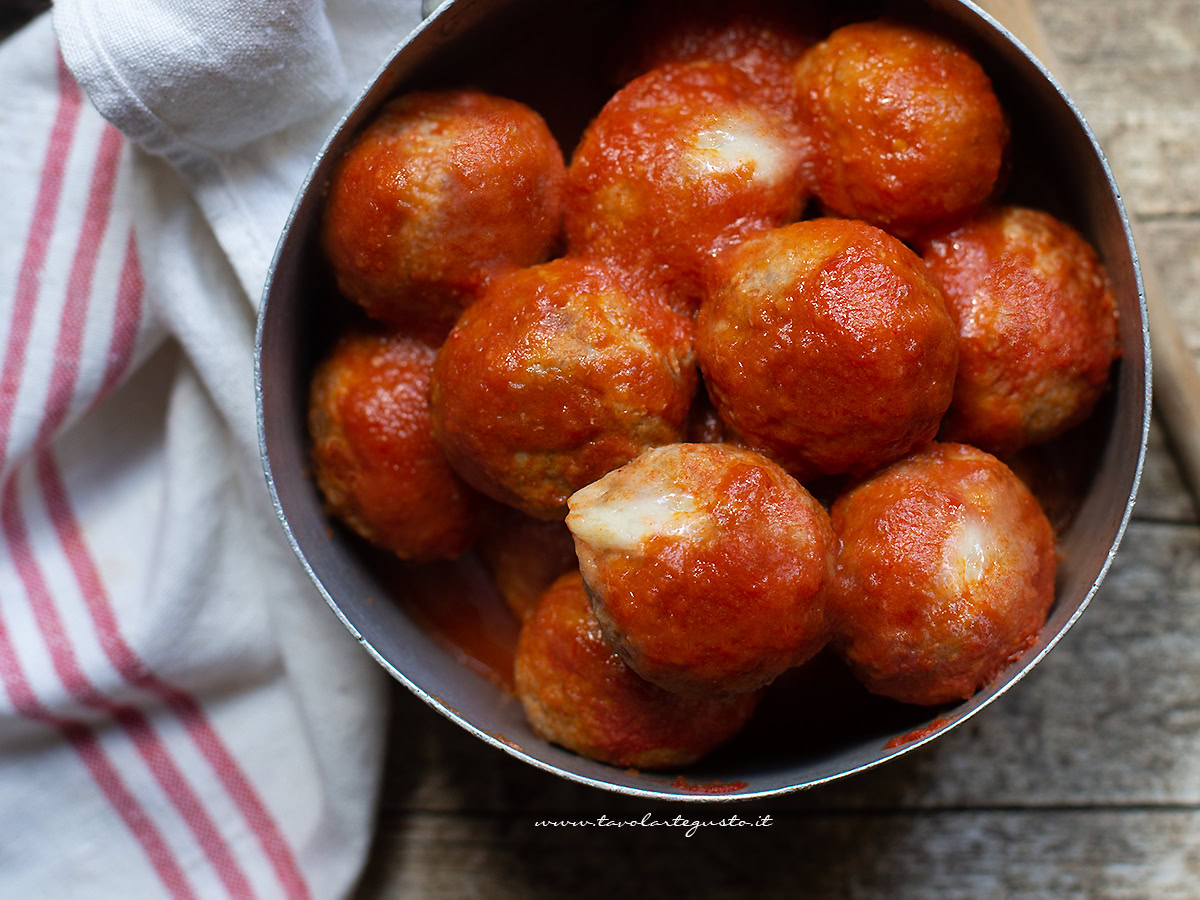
524, 556
578, 693
945, 575
1037, 327
556, 376
373, 454
905, 126
827, 346
439, 192
757, 37
706, 565
679, 165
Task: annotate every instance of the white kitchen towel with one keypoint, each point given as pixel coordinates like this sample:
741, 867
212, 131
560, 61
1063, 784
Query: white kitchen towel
180, 715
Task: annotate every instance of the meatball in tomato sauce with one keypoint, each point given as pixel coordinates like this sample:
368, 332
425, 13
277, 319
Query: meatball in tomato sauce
373, 453
681, 164
440, 192
578, 693
906, 129
945, 575
761, 38
1037, 326
558, 375
827, 346
706, 565
524, 556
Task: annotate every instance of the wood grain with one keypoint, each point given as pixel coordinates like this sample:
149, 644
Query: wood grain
969, 854
1162, 496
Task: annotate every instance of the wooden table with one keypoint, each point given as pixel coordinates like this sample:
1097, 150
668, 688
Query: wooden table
1083, 780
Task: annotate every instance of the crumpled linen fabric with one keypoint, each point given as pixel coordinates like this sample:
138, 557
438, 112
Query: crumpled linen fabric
180, 714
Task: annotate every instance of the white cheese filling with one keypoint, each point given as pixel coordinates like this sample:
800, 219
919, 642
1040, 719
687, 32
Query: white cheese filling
735, 143
624, 520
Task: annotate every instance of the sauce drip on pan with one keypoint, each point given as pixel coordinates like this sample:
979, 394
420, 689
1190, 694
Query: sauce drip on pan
457, 604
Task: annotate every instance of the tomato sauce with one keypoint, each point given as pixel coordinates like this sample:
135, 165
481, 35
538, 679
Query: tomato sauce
457, 604
917, 733
709, 787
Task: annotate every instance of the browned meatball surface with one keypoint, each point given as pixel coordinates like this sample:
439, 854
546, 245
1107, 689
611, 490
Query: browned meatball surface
681, 164
945, 575
1037, 327
578, 693
706, 565
905, 126
441, 191
556, 376
373, 453
827, 346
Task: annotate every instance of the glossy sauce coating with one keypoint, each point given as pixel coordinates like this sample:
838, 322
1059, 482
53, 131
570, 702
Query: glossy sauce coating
761, 38
441, 191
827, 346
906, 128
681, 164
1037, 327
706, 565
555, 377
373, 452
945, 575
578, 693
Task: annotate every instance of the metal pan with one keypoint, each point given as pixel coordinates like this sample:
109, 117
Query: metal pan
554, 56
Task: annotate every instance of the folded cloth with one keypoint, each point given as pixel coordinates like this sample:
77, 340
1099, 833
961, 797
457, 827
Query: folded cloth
179, 712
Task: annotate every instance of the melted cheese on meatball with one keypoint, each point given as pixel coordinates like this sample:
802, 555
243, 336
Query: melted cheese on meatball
735, 143
623, 519
970, 550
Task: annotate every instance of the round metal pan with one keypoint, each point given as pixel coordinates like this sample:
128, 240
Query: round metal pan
555, 56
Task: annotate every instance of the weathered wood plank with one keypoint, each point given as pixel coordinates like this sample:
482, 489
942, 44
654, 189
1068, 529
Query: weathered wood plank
1133, 68
950, 854
1162, 496
1171, 249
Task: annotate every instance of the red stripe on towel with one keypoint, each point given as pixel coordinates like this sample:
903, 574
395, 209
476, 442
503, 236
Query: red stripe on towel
132, 720
84, 743
63, 382
103, 615
77, 734
45, 210
127, 318
73, 322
